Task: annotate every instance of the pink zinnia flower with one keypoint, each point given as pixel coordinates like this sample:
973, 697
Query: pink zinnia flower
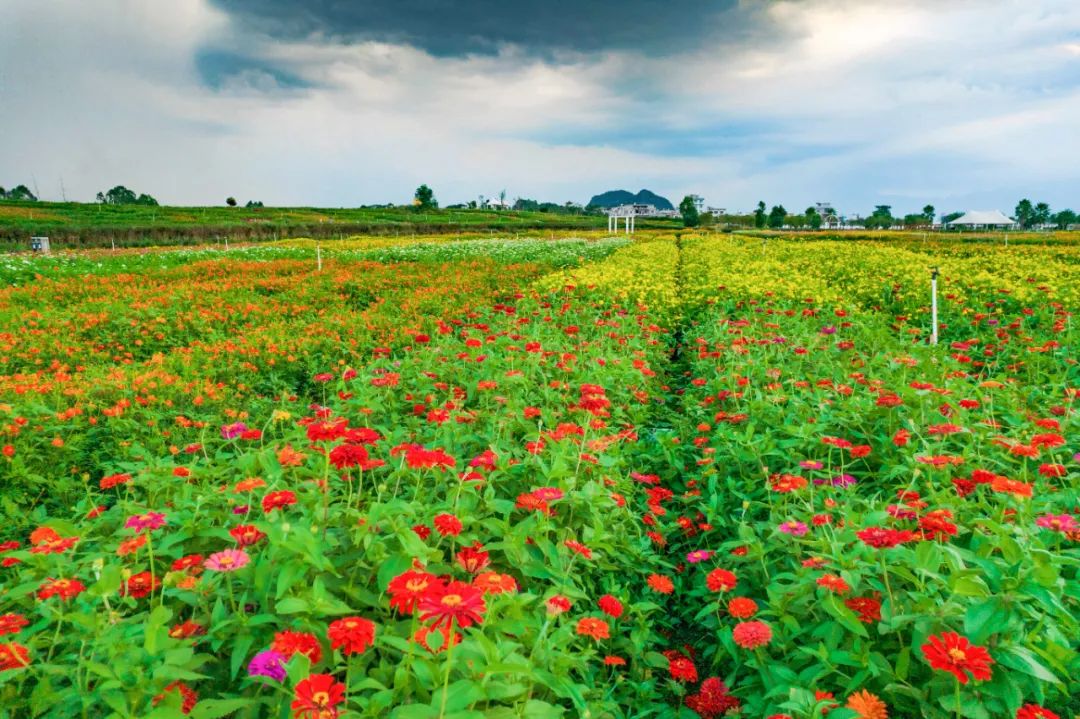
811, 464
699, 555
228, 560
1058, 522
548, 494
150, 520
795, 529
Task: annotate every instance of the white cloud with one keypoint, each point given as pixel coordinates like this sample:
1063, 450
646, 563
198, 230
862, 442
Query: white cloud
855, 102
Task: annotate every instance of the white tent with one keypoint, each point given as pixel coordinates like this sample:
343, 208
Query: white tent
983, 218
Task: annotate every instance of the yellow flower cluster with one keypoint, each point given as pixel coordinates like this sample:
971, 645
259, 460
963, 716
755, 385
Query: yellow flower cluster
666, 274
642, 273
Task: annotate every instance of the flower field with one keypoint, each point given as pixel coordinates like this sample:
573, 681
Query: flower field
683, 476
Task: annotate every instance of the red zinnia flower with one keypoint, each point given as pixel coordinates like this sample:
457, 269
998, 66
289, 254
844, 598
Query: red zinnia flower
352, 455
140, 585
13, 656
721, 580
406, 589
750, 635
447, 524
681, 668
317, 697
557, 605
186, 630
473, 559
64, 588
12, 623
950, 652
353, 635
868, 608
247, 534
610, 606
884, 538
455, 603
579, 548
113, 480
288, 643
188, 696
1034, 711
713, 700
278, 500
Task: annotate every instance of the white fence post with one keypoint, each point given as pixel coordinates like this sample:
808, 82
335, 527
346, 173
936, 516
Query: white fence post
933, 305
318, 255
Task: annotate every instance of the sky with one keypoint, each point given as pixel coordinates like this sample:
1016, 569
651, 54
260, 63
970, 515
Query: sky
963, 104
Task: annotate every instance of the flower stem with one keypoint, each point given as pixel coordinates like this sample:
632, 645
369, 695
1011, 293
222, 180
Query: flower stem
446, 680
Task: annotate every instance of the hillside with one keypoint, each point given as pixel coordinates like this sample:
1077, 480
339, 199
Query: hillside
614, 198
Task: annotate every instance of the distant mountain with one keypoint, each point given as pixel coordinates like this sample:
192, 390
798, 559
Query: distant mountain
614, 198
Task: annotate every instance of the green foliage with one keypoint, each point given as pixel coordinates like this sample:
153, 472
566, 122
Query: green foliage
688, 210
759, 215
777, 216
19, 193
1064, 219
424, 198
121, 195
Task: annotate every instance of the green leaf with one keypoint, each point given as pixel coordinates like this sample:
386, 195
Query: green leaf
1022, 659
970, 586
241, 645
292, 605
459, 695
216, 708
845, 616
536, 709
391, 568
985, 618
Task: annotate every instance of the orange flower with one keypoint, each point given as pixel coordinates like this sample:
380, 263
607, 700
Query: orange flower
289, 457
834, 583
249, 484
495, 583
422, 634
867, 705
742, 607
593, 627
660, 583
131, 545
1010, 486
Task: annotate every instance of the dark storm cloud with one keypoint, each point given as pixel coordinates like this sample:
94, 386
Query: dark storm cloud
446, 28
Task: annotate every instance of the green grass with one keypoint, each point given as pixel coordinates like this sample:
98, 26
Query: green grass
73, 224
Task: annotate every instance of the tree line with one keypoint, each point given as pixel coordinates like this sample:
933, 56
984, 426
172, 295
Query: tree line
1027, 216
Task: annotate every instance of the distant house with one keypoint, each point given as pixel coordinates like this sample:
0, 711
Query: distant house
637, 210
830, 219
983, 219
497, 204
